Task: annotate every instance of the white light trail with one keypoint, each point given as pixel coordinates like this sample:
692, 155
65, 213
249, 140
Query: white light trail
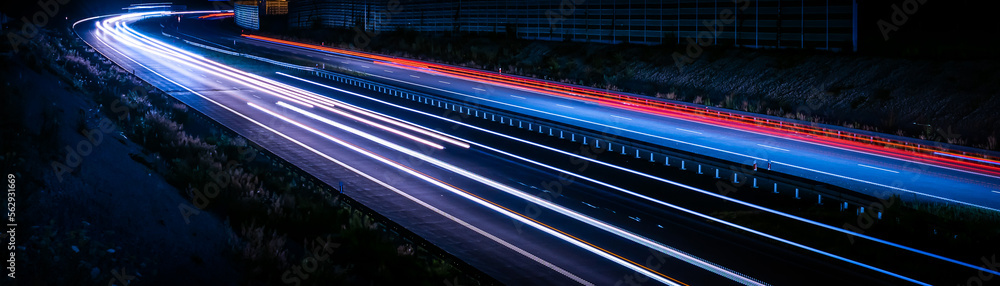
518, 193
355, 131
675, 184
175, 55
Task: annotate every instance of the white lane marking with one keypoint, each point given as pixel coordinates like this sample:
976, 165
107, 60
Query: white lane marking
479, 89
731, 152
685, 130
218, 81
414, 76
343, 62
388, 71
485, 181
877, 168
444, 82
889, 187
422, 203
566, 106
620, 117
373, 179
675, 184
364, 66
998, 192
772, 147
254, 95
362, 120
518, 97
736, 129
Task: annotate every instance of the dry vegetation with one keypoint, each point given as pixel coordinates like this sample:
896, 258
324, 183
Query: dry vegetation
275, 218
956, 98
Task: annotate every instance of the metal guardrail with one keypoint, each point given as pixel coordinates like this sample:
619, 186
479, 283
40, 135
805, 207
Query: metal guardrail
245, 55
802, 129
739, 172
383, 223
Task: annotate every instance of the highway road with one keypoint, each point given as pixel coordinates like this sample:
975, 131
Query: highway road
480, 194
874, 174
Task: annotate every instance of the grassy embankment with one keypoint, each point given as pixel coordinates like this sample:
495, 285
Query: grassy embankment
949, 101
279, 215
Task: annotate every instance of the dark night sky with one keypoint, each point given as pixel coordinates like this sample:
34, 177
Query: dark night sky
77, 9
936, 23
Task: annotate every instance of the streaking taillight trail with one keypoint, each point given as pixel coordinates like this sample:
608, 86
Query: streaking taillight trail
937, 155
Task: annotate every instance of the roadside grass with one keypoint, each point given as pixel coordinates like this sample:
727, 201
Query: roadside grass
876, 94
275, 211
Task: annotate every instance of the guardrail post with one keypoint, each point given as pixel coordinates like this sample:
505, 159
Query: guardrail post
609, 147
682, 165
754, 183
529, 126
775, 188
597, 143
584, 140
736, 178
699, 169
819, 199
637, 153
651, 160
623, 150
717, 174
